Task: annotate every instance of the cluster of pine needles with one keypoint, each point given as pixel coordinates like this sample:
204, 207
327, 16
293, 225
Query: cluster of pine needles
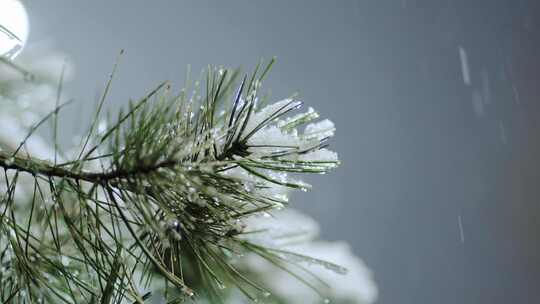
147, 205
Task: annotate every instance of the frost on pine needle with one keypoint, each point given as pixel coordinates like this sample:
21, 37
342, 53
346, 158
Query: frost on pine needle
320, 130
159, 201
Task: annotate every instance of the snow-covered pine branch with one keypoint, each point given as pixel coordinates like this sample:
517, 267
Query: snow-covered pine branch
160, 201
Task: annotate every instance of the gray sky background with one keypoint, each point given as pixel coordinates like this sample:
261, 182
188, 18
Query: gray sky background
421, 149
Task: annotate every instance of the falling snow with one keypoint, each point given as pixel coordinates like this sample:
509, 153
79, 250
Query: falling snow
465, 66
502, 133
516, 94
486, 90
478, 103
461, 233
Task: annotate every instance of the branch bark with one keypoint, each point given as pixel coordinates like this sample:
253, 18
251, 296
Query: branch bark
40, 167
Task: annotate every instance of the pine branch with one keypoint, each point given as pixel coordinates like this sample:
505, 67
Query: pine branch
158, 196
